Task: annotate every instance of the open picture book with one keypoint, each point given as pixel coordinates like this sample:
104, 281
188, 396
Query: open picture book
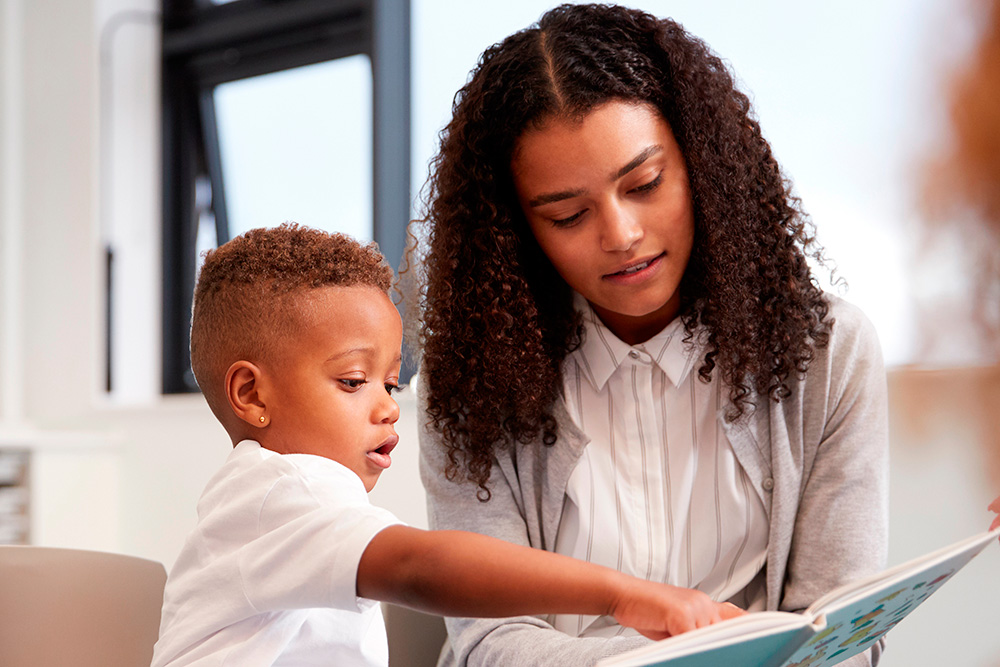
840, 624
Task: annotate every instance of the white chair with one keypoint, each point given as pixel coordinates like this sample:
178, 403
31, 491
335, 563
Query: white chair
67, 607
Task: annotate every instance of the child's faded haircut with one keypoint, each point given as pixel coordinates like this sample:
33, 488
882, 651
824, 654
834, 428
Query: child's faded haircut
246, 287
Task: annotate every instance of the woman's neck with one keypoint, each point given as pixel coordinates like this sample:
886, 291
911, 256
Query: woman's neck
636, 329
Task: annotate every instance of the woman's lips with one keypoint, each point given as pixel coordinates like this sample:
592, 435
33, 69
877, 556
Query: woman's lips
380, 455
636, 271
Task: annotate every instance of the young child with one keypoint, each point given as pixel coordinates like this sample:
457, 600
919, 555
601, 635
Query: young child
296, 346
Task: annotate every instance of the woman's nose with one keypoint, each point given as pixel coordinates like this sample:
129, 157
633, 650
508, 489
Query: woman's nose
621, 230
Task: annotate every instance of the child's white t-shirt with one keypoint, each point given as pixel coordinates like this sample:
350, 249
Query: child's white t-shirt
268, 576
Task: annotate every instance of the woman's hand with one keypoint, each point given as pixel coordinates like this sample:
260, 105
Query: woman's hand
659, 611
995, 507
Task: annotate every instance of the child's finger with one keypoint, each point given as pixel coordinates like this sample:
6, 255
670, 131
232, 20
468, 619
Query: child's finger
728, 610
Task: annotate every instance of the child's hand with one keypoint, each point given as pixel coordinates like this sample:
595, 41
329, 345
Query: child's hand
658, 610
995, 507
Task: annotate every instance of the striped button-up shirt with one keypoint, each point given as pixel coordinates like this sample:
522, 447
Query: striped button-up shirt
658, 492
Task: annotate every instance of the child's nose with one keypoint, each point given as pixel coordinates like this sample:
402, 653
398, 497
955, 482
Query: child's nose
388, 410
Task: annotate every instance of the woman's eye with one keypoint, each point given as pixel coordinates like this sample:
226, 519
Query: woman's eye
390, 387
650, 186
565, 222
352, 383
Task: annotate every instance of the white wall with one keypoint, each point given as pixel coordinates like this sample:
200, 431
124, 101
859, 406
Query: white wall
153, 453
52, 360
164, 449
10, 211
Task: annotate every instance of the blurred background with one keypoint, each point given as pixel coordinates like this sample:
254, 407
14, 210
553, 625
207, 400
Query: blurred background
134, 134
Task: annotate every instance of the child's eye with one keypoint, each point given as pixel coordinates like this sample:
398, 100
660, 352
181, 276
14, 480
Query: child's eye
353, 383
390, 387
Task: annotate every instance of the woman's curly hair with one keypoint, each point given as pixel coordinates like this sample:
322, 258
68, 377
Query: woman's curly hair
496, 321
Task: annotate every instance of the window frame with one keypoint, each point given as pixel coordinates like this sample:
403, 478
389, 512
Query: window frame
204, 45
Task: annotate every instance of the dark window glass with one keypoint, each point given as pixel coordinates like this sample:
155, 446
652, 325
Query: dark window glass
274, 111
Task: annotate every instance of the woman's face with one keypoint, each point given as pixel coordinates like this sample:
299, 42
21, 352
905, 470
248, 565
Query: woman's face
607, 198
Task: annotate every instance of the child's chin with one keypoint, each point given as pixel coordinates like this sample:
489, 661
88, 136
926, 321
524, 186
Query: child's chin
369, 482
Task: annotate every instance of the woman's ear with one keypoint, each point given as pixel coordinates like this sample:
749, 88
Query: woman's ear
245, 392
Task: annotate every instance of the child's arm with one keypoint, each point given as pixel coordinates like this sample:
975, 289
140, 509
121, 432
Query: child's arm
455, 573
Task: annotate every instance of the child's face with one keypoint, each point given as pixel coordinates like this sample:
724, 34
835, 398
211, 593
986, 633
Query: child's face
329, 388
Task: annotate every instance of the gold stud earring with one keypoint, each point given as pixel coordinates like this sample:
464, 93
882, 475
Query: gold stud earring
262, 419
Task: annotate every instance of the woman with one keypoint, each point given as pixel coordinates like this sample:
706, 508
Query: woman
624, 355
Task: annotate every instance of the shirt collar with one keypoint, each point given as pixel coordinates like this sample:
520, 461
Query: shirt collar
601, 353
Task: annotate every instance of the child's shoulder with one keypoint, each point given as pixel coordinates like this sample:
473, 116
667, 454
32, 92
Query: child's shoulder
324, 479
253, 475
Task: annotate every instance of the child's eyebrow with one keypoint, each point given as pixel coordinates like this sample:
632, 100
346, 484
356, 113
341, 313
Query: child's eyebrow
354, 350
365, 349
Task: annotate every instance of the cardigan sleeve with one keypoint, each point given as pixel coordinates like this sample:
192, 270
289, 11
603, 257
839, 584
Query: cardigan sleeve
841, 525
520, 641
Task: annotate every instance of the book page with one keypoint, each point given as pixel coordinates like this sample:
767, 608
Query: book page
861, 588
747, 641
855, 621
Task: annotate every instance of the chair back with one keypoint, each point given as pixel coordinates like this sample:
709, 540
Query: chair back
79, 608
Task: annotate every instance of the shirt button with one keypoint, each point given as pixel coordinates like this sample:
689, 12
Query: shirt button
768, 484
633, 354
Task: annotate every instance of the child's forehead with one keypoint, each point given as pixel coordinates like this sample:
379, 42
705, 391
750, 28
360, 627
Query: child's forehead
343, 315
324, 299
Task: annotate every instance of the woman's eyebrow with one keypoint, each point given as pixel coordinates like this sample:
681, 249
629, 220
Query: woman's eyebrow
551, 197
646, 153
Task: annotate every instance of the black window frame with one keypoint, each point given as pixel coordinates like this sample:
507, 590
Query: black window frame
204, 45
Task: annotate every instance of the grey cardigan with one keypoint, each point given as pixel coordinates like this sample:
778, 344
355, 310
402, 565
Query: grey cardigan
818, 459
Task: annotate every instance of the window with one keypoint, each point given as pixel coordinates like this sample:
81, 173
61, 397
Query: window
274, 111
298, 144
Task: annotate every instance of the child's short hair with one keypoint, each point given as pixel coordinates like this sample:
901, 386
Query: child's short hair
245, 287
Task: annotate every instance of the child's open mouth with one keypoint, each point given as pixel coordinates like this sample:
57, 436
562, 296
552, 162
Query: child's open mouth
380, 455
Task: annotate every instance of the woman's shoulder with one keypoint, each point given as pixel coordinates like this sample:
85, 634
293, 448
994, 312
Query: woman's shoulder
852, 355
851, 329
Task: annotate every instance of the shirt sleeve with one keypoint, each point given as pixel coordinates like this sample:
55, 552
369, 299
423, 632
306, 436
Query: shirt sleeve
308, 546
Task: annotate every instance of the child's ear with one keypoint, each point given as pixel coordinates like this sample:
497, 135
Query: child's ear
245, 392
